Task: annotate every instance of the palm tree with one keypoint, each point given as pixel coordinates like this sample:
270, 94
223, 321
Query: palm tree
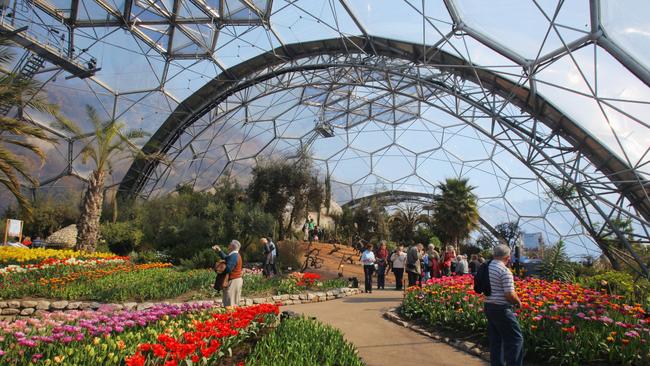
17, 134
111, 141
404, 221
456, 210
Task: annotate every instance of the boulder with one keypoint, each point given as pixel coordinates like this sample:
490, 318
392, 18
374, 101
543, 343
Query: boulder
10, 311
27, 311
29, 304
43, 305
14, 304
64, 238
59, 305
144, 306
130, 305
73, 305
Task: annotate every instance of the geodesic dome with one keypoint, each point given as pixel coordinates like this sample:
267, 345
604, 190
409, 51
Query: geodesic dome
521, 97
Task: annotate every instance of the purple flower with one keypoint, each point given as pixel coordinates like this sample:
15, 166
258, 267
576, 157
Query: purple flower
2, 353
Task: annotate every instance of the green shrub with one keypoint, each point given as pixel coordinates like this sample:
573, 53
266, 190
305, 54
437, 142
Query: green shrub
290, 254
201, 260
620, 283
148, 256
121, 237
302, 342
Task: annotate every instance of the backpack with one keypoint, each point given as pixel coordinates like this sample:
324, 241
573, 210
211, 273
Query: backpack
482, 279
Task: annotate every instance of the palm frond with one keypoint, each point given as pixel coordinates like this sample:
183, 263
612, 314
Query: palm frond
67, 125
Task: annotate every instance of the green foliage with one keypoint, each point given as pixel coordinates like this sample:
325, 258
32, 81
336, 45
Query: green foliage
17, 137
148, 256
121, 237
556, 264
303, 342
508, 232
456, 210
291, 254
186, 223
205, 259
620, 283
49, 214
369, 220
563, 191
278, 184
486, 242
404, 222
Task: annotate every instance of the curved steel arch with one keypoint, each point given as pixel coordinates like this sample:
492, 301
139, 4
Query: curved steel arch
627, 181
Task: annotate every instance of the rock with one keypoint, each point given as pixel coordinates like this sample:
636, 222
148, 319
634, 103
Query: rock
144, 306
84, 305
485, 355
10, 311
130, 305
73, 305
294, 297
276, 298
43, 305
475, 351
59, 305
29, 304
284, 297
310, 296
467, 346
14, 304
330, 293
27, 311
3, 304
259, 300
95, 305
248, 302
302, 296
64, 238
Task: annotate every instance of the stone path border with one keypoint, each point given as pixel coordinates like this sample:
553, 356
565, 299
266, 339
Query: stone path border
465, 346
9, 308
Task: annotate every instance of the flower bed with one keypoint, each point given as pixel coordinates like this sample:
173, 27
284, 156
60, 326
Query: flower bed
562, 323
56, 263
113, 338
13, 255
299, 341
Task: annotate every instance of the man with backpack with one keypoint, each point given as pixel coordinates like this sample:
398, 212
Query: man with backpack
496, 282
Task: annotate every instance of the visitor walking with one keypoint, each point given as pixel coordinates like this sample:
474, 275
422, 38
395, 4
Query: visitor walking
461, 265
435, 267
368, 261
232, 293
504, 333
382, 264
269, 257
474, 264
311, 225
398, 262
426, 260
448, 258
305, 230
413, 267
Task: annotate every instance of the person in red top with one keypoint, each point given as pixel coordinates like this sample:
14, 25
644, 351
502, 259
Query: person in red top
232, 293
435, 265
381, 258
450, 254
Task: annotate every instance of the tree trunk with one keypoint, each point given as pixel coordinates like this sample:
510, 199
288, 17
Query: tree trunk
91, 209
115, 208
280, 228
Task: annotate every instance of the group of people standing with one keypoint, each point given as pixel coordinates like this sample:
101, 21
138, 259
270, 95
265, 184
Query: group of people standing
419, 265
311, 231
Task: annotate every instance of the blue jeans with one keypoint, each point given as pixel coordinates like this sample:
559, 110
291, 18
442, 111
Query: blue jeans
506, 339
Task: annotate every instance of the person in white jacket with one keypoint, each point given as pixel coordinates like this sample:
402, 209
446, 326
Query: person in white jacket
368, 262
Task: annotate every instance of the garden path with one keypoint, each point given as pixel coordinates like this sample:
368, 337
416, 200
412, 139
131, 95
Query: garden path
379, 341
